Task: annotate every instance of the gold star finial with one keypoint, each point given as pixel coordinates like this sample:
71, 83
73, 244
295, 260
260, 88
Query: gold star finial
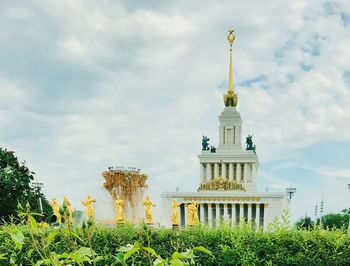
230, 98
231, 37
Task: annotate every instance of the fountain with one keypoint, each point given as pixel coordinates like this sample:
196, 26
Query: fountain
129, 184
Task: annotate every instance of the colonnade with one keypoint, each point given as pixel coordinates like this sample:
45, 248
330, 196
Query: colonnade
211, 213
239, 172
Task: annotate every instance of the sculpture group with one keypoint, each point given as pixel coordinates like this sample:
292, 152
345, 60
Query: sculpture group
56, 210
119, 204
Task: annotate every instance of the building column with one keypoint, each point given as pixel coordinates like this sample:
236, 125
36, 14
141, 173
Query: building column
201, 213
216, 170
250, 214
249, 174
253, 173
230, 171
202, 172
208, 175
238, 173
241, 212
226, 218
257, 215
223, 170
217, 211
210, 215
233, 216
265, 215
245, 173
186, 214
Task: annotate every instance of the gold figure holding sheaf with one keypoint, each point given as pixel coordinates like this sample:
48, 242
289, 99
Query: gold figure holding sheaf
56, 209
192, 213
89, 209
147, 203
119, 208
175, 216
69, 208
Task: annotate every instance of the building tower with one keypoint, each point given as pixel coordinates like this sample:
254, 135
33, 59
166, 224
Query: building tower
229, 160
228, 175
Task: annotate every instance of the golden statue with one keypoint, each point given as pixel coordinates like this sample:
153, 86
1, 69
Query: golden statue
69, 207
147, 203
192, 213
119, 208
175, 216
89, 209
56, 209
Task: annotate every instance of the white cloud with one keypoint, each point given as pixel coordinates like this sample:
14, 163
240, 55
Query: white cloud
154, 88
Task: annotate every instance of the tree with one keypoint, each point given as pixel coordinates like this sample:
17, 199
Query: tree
331, 220
15, 187
305, 223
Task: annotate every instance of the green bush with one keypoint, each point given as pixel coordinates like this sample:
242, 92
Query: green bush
280, 244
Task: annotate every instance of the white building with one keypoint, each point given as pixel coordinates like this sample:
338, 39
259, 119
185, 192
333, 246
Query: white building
228, 176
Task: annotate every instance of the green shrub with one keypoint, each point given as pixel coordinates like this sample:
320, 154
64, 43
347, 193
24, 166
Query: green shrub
281, 244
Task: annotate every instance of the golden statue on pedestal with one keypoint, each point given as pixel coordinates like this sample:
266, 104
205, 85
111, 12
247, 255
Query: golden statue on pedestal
69, 208
89, 209
193, 213
56, 209
119, 208
147, 203
175, 216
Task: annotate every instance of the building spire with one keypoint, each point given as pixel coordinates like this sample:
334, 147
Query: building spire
230, 99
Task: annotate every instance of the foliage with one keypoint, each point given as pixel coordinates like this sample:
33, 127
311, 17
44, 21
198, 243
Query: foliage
338, 220
77, 216
305, 223
15, 188
281, 244
14, 184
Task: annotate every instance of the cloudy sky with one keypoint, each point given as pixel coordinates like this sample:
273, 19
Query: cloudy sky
89, 84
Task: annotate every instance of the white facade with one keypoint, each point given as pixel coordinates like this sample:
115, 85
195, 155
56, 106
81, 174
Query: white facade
228, 177
239, 166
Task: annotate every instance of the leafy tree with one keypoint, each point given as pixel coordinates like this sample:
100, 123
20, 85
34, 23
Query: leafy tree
77, 215
337, 220
346, 214
15, 186
305, 223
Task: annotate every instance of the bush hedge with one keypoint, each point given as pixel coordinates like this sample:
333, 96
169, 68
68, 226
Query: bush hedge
279, 245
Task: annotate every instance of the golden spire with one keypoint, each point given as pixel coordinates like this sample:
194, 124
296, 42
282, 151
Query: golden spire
230, 99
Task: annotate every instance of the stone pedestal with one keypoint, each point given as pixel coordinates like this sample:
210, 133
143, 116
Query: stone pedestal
176, 227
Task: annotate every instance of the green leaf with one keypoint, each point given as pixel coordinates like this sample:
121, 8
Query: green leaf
79, 257
203, 249
188, 254
152, 251
45, 261
177, 262
129, 253
98, 258
63, 255
17, 237
119, 257
160, 262
33, 224
2, 256
51, 236
76, 235
177, 255
30, 252
126, 248
36, 214
86, 251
